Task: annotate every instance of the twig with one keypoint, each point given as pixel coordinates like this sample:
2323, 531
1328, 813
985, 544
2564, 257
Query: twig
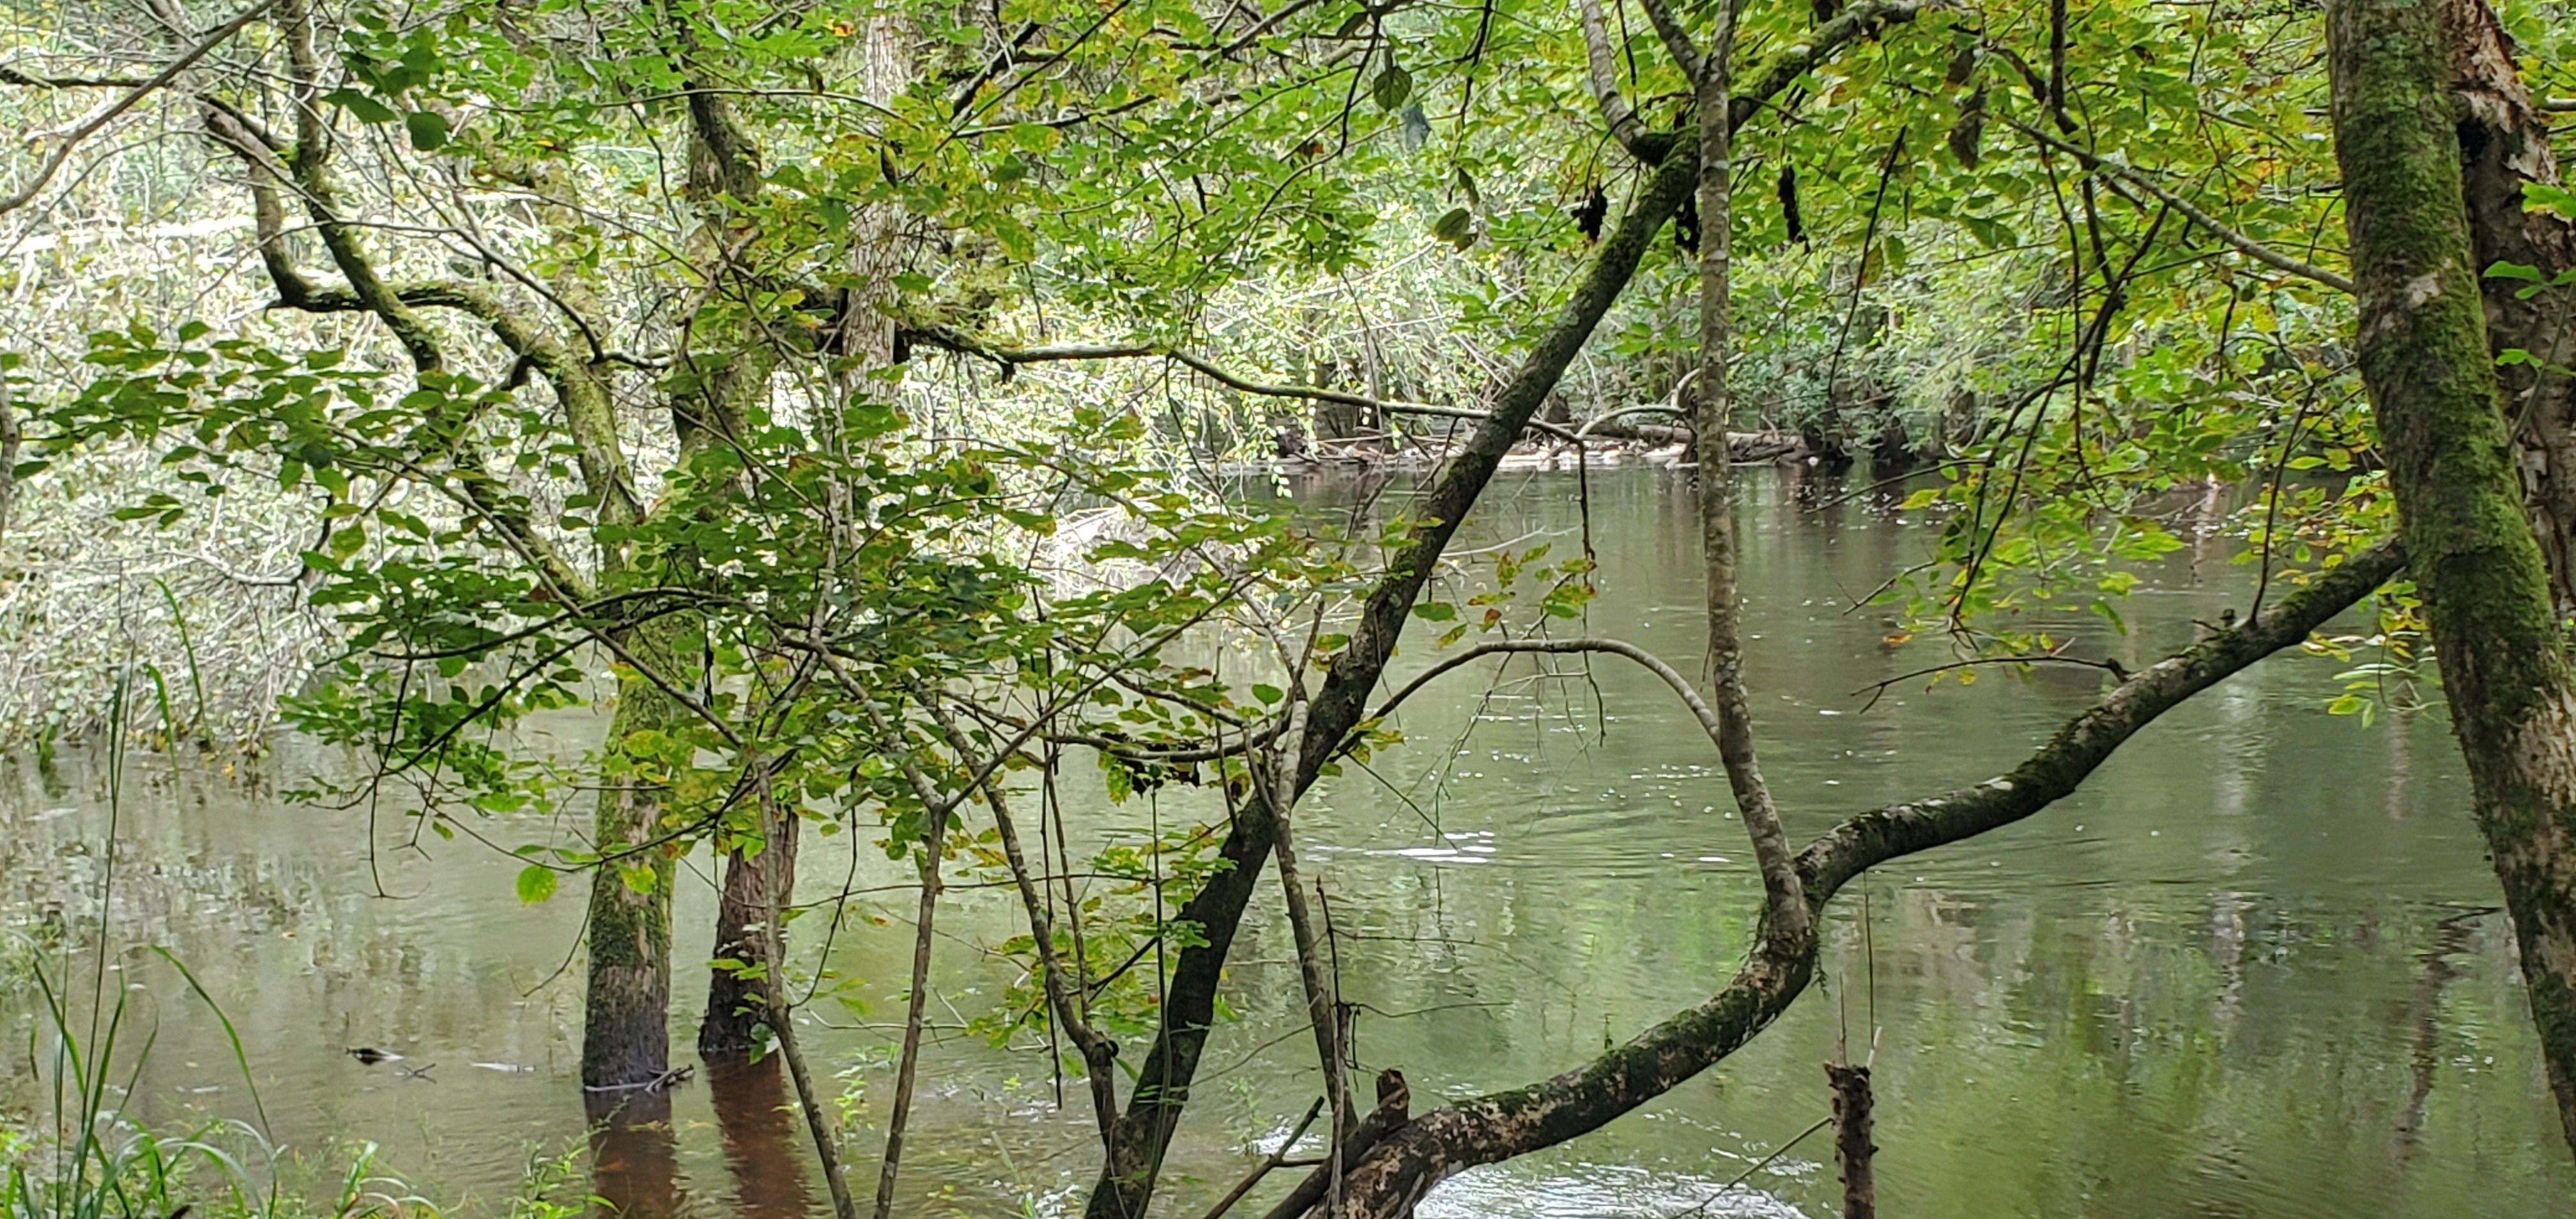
1877, 688
71, 139
782, 1017
2256, 250
1097, 1050
1301, 924
934, 836
1275, 1159
950, 339
1758, 1165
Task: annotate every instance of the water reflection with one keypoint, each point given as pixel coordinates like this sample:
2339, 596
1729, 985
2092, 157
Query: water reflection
2245, 970
635, 1161
761, 1145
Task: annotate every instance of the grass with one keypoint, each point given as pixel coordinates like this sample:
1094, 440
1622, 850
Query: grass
86, 1157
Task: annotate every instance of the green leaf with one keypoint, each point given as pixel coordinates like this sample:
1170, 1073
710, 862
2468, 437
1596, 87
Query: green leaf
1435, 611
1457, 227
536, 884
2513, 270
428, 129
1392, 87
2550, 198
1269, 695
368, 109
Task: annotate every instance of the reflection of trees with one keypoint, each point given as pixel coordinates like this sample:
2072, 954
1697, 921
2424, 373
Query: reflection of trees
751, 1109
634, 1162
2450, 938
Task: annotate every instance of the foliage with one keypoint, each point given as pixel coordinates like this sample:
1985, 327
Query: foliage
591, 364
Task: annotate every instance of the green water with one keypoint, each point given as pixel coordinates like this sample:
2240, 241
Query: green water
2250, 969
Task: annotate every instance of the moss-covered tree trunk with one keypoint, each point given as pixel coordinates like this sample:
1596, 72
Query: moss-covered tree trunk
626, 1027
2424, 355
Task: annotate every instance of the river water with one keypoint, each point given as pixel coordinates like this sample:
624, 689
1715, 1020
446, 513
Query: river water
2252, 968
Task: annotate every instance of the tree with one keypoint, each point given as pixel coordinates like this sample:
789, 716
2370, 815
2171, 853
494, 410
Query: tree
2423, 347
642, 418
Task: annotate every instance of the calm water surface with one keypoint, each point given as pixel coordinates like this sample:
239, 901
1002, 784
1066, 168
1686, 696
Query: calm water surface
2251, 969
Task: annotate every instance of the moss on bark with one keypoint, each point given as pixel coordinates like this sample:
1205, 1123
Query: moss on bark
626, 1037
2433, 387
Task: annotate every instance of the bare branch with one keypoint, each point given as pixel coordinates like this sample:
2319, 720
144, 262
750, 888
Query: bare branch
2253, 249
1063, 997
1274, 1160
949, 339
53, 163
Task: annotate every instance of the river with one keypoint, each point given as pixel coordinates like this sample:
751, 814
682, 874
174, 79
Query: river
2252, 968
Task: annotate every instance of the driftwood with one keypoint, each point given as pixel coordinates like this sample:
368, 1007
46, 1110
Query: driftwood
1741, 446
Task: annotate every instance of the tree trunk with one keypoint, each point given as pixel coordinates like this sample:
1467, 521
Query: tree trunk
864, 332
2504, 144
1154, 1108
737, 1006
1852, 1103
626, 1027
2424, 356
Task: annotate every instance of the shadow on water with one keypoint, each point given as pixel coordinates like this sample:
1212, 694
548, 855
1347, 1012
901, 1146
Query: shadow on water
2247, 969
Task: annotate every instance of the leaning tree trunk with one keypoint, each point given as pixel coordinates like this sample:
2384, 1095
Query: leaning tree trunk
1164, 1075
2503, 145
2424, 356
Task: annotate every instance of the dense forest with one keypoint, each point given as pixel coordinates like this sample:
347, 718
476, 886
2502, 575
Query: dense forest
1042, 459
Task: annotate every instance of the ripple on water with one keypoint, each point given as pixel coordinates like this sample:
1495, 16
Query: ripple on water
1599, 1191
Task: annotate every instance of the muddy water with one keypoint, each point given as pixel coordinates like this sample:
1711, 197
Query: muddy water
2251, 969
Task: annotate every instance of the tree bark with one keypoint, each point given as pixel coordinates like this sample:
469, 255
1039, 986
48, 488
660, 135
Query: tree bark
1852, 1103
2503, 144
1784, 916
626, 1022
737, 1006
863, 330
2424, 357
